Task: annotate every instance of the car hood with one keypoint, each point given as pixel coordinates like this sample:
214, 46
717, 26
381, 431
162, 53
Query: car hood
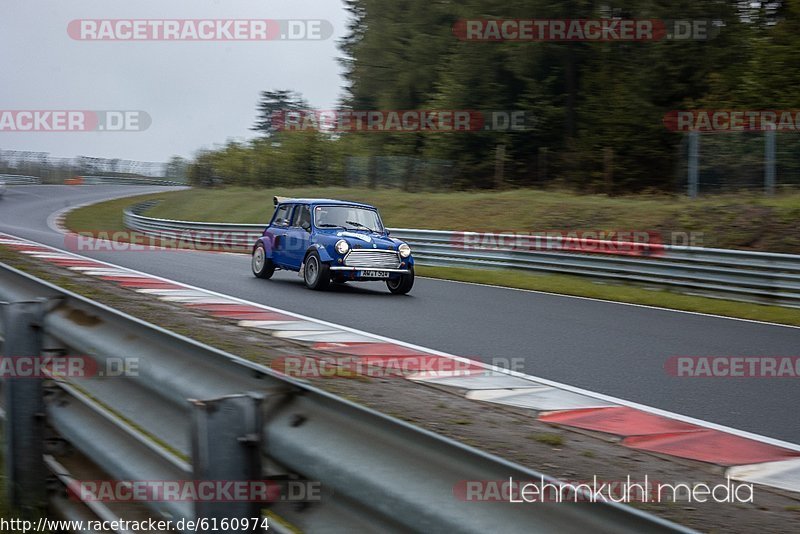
367, 239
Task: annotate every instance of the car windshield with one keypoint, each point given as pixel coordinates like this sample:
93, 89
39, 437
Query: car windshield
348, 217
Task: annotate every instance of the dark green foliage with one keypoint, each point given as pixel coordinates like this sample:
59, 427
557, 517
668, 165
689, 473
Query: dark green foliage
598, 107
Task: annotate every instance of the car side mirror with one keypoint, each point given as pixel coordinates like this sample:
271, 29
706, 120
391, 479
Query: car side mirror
306, 226
388, 232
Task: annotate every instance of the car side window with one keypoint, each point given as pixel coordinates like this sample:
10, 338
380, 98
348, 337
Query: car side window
302, 215
282, 215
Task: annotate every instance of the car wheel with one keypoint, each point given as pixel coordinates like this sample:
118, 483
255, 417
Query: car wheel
262, 266
402, 284
315, 273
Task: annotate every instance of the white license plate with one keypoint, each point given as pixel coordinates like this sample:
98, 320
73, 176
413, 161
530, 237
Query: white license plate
375, 274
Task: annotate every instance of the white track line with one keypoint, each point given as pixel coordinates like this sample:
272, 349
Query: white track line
648, 306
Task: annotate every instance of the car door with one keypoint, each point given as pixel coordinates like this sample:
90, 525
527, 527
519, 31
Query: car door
298, 235
279, 229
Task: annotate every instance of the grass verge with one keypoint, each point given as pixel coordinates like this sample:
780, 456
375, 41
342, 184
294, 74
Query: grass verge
104, 216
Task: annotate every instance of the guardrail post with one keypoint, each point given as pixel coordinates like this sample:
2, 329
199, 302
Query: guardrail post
26, 472
226, 437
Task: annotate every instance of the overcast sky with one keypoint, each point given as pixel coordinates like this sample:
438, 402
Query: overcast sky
197, 93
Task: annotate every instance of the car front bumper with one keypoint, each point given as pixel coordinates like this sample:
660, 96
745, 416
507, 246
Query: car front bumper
345, 268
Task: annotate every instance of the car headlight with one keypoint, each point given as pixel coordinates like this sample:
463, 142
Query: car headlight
404, 250
342, 247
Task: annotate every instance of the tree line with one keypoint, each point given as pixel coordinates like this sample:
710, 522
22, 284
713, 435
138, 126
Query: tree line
598, 107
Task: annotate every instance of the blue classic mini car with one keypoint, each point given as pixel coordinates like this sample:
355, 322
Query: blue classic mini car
332, 241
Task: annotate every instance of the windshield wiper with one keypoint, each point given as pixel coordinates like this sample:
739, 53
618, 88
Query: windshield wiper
326, 225
359, 225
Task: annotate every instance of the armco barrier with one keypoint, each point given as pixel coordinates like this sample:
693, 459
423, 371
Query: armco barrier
128, 180
16, 179
760, 277
196, 413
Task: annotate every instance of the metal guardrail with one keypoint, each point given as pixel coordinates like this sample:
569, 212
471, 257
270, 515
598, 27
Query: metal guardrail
16, 179
223, 235
760, 277
128, 180
246, 422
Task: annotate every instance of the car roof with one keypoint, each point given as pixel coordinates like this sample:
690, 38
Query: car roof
325, 201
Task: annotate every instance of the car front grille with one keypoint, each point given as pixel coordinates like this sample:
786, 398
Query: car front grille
372, 259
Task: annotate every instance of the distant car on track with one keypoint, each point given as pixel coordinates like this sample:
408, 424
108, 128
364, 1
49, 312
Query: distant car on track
332, 241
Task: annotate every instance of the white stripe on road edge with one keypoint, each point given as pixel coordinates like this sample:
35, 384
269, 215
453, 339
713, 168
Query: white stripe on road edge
458, 379
304, 335
192, 296
784, 474
304, 326
330, 336
110, 272
541, 399
195, 299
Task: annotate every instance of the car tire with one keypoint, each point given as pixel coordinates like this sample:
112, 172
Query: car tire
316, 274
262, 265
402, 285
